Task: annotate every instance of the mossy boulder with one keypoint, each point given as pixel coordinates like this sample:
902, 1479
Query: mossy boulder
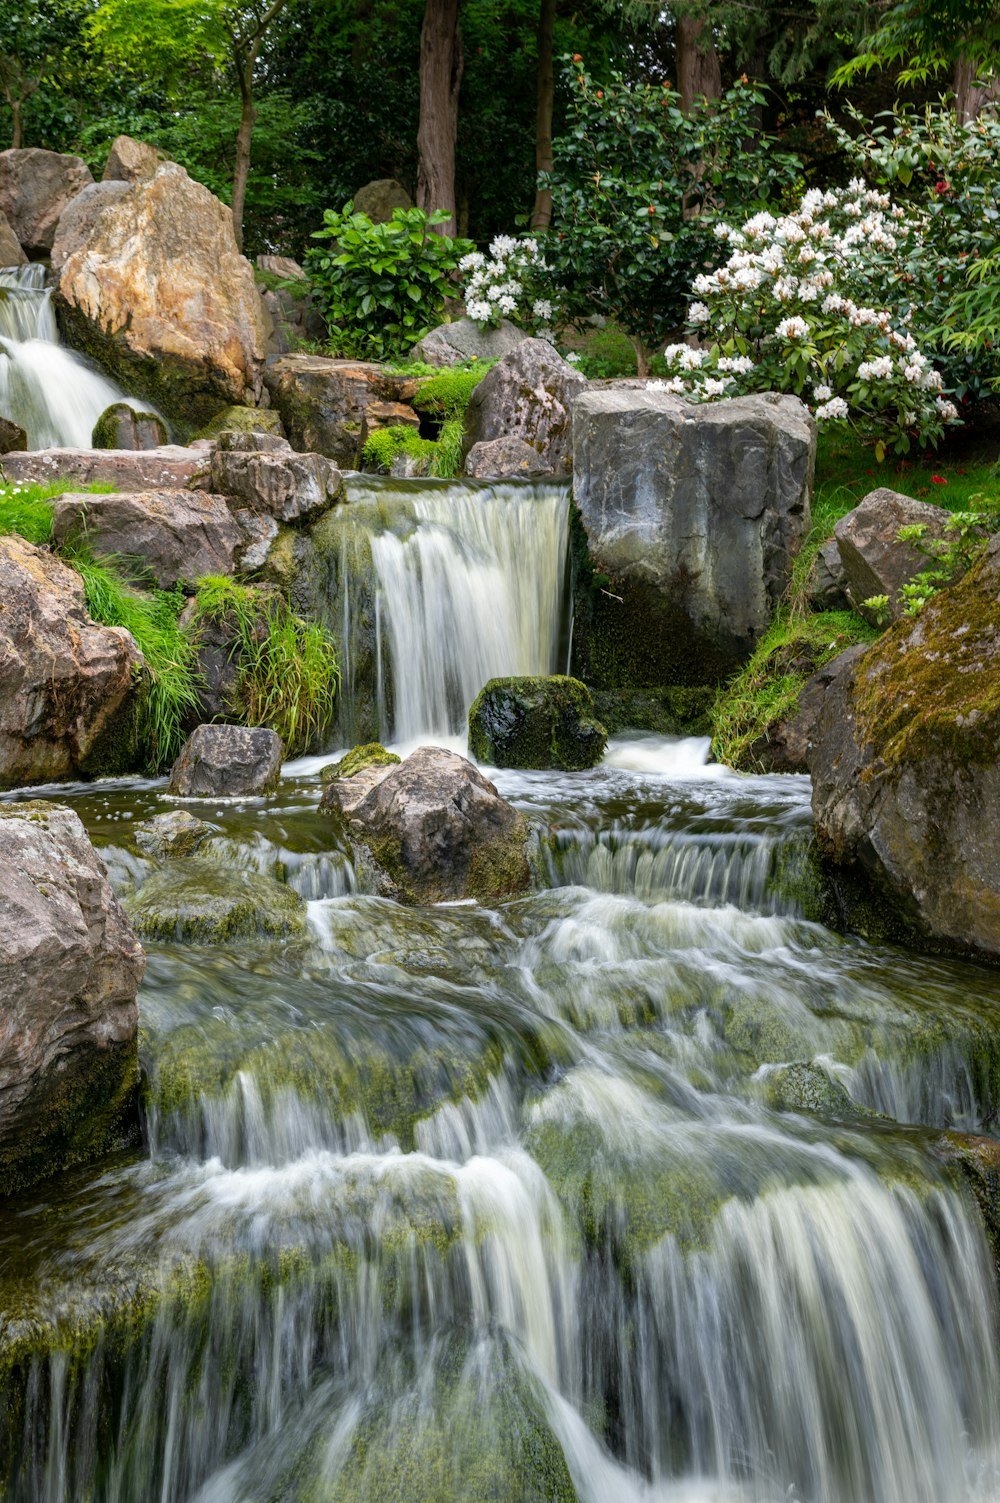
373, 754
906, 767
536, 722
121, 426
175, 833
198, 901
673, 710
243, 420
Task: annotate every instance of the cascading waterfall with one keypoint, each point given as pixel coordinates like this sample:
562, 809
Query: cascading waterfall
46, 389
465, 584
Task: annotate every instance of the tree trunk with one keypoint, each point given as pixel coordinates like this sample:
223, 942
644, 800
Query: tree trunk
970, 96
698, 69
17, 134
541, 214
244, 137
440, 80
641, 357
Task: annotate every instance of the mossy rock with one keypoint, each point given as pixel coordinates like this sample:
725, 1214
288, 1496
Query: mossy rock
197, 901
536, 722
673, 710
807, 1087
244, 420
120, 426
373, 754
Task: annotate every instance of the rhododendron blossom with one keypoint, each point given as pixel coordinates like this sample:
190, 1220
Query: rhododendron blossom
505, 283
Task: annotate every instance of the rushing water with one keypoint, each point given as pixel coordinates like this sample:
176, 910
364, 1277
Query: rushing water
46, 389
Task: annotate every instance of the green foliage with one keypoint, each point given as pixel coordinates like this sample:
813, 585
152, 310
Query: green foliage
949, 557
384, 285
27, 511
637, 185
606, 355
446, 460
385, 445
39, 42
289, 674
446, 393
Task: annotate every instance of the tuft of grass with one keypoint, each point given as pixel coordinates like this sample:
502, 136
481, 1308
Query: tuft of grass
289, 673
446, 461
27, 511
382, 447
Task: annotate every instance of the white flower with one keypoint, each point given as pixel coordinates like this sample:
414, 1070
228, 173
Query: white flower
470, 262
683, 355
739, 365
879, 369
698, 314
711, 387
479, 311
947, 409
836, 408
822, 393
676, 386
792, 328
542, 308
574, 357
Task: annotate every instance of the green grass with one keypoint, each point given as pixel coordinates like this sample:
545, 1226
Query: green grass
384, 446
952, 476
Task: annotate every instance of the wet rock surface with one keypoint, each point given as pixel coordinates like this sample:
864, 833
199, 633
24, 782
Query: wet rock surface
227, 761
175, 833
199, 901
536, 722
70, 967
11, 252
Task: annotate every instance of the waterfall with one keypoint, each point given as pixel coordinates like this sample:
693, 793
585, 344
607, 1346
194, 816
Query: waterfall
460, 582
46, 389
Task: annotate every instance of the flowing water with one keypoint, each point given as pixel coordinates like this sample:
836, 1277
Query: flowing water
46, 389
642, 1188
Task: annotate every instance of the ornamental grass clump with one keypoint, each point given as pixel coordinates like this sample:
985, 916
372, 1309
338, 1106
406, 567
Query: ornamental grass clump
798, 307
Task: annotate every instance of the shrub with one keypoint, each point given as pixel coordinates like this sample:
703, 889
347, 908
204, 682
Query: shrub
797, 308
384, 284
510, 282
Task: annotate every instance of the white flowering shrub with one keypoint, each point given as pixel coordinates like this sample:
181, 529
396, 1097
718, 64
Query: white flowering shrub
507, 282
796, 308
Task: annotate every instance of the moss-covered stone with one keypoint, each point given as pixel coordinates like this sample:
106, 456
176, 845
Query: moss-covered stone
197, 901
373, 754
536, 722
121, 426
673, 710
243, 420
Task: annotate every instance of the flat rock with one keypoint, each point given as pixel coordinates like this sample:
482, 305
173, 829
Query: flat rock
171, 535
35, 188
70, 967
497, 457
171, 467
66, 684
195, 900
290, 487
529, 395
450, 344
874, 560
226, 761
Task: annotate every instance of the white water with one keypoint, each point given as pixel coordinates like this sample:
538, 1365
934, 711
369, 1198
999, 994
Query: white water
46, 389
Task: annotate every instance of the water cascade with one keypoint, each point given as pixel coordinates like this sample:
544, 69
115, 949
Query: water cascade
440, 587
46, 389
629, 1192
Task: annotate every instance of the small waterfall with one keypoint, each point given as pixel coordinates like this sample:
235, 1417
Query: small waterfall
464, 583
45, 388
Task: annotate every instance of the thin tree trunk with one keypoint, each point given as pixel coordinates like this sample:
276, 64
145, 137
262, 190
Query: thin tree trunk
971, 97
441, 64
641, 357
17, 134
541, 214
244, 137
698, 68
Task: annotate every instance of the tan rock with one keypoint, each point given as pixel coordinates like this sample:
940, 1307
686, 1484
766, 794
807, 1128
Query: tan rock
131, 161
151, 284
171, 467
35, 188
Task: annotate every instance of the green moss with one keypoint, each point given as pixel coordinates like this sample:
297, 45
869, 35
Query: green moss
446, 394
383, 447
107, 430
671, 710
536, 722
243, 420
373, 754
197, 901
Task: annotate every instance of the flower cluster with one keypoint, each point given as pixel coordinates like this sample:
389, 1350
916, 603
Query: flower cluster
799, 306
507, 282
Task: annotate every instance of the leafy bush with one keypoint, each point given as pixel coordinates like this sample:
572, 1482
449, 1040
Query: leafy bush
509, 282
637, 184
289, 675
799, 307
948, 558
383, 284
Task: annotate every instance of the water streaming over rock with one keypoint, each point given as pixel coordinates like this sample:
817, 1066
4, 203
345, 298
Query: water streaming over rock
46, 389
641, 1189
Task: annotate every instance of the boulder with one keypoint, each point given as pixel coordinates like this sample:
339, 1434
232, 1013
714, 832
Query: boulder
196, 901
70, 967
787, 744
380, 199
450, 344
152, 286
227, 761
66, 684
828, 585
289, 486
432, 829
131, 161
243, 420
372, 754
259, 534
282, 266
122, 427
12, 438
322, 402
505, 457
176, 833
693, 515
169, 535
536, 722
168, 468
906, 771
874, 560
35, 188
11, 253
528, 395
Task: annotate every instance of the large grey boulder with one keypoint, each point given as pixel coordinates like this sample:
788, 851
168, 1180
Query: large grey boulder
172, 535
11, 252
35, 188
171, 467
694, 514
152, 286
874, 560
268, 475
323, 402
450, 344
529, 395
432, 828
227, 761
505, 457
906, 770
132, 161
381, 198
66, 684
70, 967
